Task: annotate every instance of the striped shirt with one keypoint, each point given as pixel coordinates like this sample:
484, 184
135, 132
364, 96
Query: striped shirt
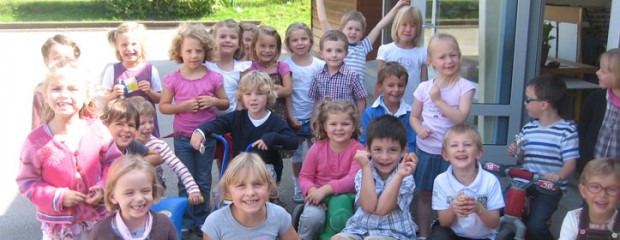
343, 85
168, 156
356, 59
548, 147
397, 224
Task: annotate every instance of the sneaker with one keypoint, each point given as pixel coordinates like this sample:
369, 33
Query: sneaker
298, 197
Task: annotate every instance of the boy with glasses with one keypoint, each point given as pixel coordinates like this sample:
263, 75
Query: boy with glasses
550, 149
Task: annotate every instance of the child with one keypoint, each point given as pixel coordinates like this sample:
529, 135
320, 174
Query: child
247, 30
406, 50
329, 167
266, 48
254, 124
145, 136
438, 104
551, 149
64, 162
607, 144
599, 187
353, 25
196, 92
466, 198
248, 183
55, 48
123, 121
391, 81
336, 81
130, 192
227, 61
133, 76
303, 66
384, 184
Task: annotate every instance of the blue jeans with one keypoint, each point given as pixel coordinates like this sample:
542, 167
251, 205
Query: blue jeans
199, 165
542, 207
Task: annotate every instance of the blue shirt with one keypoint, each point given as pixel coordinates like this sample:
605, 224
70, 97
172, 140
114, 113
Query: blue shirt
378, 109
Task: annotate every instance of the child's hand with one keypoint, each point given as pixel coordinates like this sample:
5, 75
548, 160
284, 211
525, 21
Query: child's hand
408, 166
118, 90
295, 125
361, 157
190, 105
72, 198
195, 198
424, 133
205, 102
145, 86
512, 149
435, 93
315, 196
463, 205
276, 87
402, 3
196, 140
554, 177
260, 144
95, 195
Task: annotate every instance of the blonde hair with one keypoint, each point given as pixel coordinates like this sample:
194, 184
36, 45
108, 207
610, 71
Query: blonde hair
462, 129
142, 106
125, 28
318, 123
120, 109
600, 167
353, 16
613, 62
409, 15
258, 80
229, 23
194, 31
269, 31
448, 38
59, 39
123, 166
243, 165
66, 68
298, 26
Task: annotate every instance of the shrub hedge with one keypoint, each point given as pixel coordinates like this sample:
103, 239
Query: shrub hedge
157, 9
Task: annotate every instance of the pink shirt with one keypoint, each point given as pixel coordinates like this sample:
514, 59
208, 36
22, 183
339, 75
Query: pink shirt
432, 117
185, 89
324, 166
47, 169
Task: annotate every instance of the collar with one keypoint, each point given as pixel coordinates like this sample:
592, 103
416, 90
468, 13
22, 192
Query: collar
458, 186
326, 70
402, 109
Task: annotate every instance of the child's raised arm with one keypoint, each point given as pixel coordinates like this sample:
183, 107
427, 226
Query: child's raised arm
367, 193
388, 201
376, 31
322, 14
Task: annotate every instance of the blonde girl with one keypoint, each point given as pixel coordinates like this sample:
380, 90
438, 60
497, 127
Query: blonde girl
247, 30
303, 66
55, 48
265, 51
406, 49
196, 92
132, 76
248, 183
329, 167
438, 104
608, 141
130, 192
64, 161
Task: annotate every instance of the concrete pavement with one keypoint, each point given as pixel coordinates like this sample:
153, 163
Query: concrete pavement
22, 67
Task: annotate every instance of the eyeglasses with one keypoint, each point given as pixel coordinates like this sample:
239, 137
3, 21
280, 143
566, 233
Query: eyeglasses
596, 188
528, 100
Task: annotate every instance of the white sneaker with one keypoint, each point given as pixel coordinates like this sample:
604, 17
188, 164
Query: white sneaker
298, 196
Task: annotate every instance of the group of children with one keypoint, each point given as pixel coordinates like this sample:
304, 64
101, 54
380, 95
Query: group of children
412, 136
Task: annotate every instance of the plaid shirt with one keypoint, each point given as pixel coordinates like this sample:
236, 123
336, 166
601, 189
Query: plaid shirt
343, 85
397, 224
608, 143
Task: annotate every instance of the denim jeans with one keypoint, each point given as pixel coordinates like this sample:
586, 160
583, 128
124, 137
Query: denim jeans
199, 165
542, 207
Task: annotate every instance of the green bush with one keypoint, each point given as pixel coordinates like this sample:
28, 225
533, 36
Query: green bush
157, 9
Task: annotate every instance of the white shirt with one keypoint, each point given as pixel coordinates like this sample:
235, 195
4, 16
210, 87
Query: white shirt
487, 191
302, 79
412, 59
231, 80
570, 225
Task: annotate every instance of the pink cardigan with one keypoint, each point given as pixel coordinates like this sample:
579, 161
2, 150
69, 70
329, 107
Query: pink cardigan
46, 170
324, 166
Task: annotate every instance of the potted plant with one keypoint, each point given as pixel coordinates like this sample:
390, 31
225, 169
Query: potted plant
547, 27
